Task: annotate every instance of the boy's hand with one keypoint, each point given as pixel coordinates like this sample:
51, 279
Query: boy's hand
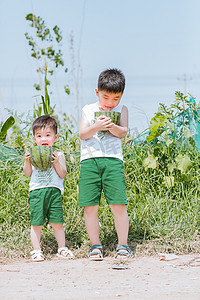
27, 155
59, 164
55, 157
27, 164
103, 123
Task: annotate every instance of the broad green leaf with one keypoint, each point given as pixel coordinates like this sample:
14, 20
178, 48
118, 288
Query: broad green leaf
171, 167
150, 162
156, 122
154, 128
183, 163
154, 135
6, 126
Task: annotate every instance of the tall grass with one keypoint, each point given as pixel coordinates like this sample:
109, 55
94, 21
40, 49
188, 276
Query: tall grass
166, 215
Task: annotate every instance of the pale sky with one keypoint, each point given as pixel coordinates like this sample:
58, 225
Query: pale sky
155, 43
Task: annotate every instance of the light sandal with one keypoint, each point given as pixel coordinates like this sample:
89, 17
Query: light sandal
93, 254
64, 252
124, 252
37, 255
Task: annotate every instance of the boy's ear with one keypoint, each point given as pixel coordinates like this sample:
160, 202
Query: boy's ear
56, 136
33, 137
97, 92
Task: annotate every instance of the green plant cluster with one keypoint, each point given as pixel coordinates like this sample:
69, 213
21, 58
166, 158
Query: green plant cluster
163, 188
162, 175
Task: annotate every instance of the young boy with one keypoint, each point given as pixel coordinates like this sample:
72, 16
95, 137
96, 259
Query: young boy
46, 188
102, 162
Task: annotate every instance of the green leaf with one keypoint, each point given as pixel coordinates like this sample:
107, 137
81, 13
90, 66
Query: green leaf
8, 123
156, 122
154, 135
6, 126
30, 17
37, 87
156, 127
183, 163
67, 90
171, 167
151, 162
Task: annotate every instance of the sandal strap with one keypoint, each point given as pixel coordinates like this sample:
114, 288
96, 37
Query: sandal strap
93, 253
66, 252
100, 247
37, 251
37, 255
62, 249
124, 247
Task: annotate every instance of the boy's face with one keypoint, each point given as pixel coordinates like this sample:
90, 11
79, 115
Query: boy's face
107, 101
45, 136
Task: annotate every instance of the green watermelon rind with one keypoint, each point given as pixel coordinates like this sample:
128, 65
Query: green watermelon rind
41, 157
114, 115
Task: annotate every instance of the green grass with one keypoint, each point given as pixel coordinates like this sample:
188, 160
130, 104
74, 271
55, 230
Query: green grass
161, 218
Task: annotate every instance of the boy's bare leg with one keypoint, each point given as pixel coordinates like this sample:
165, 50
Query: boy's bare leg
59, 234
36, 236
92, 224
121, 222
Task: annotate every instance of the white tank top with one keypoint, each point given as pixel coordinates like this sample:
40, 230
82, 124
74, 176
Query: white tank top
101, 144
43, 179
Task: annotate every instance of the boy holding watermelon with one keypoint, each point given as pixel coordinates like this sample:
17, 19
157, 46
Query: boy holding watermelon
102, 162
46, 187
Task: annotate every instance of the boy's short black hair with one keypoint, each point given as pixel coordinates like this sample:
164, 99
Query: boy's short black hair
112, 81
44, 121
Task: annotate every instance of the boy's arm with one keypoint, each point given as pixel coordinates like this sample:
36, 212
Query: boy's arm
86, 131
120, 130
27, 165
59, 164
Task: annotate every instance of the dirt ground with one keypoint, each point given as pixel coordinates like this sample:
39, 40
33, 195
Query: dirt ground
145, 277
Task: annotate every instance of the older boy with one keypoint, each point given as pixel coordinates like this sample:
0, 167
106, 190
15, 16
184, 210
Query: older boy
45, 190
102, 162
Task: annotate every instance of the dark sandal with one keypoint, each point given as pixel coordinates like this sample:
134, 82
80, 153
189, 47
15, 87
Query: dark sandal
94, 253
124, 251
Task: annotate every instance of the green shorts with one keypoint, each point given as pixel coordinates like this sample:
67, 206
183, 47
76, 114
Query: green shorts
102, 173
45, 203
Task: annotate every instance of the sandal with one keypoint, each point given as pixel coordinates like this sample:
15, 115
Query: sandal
64, 252
37, 255
99, 252
123, 251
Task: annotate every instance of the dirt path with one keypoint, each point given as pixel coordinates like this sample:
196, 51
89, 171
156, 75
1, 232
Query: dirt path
146, 278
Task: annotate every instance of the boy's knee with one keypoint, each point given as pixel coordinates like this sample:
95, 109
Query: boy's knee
56, 226
36, 228
91, 210
118, 209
